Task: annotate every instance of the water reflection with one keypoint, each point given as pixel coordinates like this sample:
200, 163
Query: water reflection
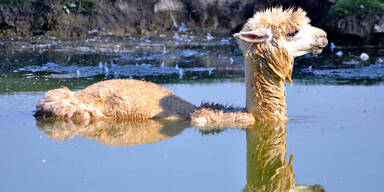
114, 133
267, 167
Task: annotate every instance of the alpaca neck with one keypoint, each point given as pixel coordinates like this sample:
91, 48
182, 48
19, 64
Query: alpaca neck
265, 92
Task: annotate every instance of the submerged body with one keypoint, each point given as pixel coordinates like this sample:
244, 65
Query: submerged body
128, 99
116, 99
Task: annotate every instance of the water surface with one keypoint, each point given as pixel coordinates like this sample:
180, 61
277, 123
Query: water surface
335, 108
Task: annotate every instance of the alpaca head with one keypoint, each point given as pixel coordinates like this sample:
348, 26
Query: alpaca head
278, 36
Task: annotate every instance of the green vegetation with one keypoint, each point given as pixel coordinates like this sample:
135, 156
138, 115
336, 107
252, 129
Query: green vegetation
82, 6
355, 7
89, 6
67, 6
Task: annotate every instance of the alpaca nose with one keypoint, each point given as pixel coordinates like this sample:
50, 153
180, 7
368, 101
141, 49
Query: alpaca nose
321, 34
321, 38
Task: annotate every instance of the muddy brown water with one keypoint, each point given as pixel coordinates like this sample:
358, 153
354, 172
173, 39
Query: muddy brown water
334, 135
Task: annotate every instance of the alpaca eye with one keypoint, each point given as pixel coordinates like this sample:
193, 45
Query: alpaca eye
292, 34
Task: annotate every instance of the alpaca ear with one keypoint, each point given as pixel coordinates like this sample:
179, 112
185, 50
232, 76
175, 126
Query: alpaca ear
255, 36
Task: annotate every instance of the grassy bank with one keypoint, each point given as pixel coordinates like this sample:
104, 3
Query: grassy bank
355, 7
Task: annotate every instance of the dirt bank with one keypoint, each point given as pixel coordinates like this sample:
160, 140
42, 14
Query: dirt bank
68, 19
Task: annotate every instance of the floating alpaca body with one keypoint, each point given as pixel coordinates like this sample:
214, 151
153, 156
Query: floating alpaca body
116, 99
270, 41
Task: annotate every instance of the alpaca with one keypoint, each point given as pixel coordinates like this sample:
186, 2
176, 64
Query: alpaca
270, 40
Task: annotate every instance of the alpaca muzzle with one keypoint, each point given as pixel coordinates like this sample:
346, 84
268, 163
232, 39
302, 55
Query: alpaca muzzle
321, 42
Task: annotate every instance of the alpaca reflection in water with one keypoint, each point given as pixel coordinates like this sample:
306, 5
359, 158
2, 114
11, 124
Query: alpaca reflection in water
267, 167
114, 133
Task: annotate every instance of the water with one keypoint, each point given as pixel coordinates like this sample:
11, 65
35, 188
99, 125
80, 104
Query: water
334, 131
